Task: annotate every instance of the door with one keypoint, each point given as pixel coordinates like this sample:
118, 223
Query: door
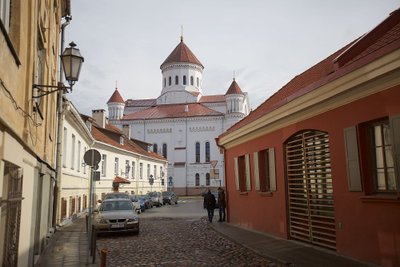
309, 189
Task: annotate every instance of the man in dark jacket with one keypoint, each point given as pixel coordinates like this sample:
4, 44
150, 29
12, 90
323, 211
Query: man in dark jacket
221, 204
209, 202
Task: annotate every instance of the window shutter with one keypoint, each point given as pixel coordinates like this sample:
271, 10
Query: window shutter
256, 172
272, 172
248, 184
353, 166
395, 131
237, 173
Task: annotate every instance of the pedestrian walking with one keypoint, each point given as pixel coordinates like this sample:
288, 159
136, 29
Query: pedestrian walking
221, 204
209, 203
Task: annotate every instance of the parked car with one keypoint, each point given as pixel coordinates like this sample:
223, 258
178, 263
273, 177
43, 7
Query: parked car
116, 215
147, 201
114, 195
136, 203
156, 198
169, 197
216, 199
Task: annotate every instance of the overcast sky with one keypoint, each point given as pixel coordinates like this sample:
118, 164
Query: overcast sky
265, 42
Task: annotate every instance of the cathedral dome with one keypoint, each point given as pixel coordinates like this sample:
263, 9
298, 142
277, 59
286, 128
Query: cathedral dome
116, 97
234, 89
181, 53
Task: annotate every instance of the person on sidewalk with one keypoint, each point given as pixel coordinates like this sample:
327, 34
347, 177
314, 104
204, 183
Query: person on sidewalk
221, 204
209, 203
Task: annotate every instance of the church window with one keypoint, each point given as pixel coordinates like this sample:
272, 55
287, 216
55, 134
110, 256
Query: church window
176, 79
197, 152
207, 179
191, 80
164, 150
207, 151
184, 79
155, 148
197, 81
197, 179
169, 80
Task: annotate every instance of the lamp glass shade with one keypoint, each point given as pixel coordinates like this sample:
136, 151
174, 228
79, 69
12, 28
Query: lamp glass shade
72, 62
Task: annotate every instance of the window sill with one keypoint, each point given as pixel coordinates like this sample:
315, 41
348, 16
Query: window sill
265, 194
379, 198
244, 193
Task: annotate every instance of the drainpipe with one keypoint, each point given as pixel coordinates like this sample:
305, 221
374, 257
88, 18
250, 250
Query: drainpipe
225, 179
60, 119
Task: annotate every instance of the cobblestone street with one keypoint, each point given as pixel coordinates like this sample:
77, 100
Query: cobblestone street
177, 242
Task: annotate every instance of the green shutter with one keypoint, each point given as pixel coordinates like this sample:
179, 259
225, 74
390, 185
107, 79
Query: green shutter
256, 172
395, 131
237, 173
248, 183
272, 171
353, 166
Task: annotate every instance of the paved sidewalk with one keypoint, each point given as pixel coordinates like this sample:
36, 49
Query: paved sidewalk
69, 247
284, 252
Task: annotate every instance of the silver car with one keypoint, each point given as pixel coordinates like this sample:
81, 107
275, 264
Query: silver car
116, 215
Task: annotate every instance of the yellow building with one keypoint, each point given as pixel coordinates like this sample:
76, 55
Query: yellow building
29, 54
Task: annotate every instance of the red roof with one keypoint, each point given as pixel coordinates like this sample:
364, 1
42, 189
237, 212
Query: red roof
111, 135
382, 40
121, 180
116, 97
172, 111
212, 98
182, 53
141, 102
234, 89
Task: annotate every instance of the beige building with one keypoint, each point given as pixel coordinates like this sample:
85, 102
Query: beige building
29, 54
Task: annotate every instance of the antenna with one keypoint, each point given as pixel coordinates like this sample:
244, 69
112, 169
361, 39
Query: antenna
182, 33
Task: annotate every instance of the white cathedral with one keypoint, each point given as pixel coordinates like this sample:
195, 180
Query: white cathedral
182, 123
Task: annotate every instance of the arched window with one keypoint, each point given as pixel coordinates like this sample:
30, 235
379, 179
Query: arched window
191, 80
198, 81
176, 79
165, 82
207, 179
164, 150
169, 80
197, 152
184, 79
155, 148
207, 151
197, 179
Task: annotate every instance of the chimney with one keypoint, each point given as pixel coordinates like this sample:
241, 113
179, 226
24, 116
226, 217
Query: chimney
99, 116
126, 129
186, 108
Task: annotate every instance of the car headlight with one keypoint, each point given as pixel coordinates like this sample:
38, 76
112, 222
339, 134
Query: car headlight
132, 220
101, 220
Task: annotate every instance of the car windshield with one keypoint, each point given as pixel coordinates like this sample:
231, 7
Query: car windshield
113, 196
116, 205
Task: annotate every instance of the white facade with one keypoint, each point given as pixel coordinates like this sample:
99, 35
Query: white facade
192, 168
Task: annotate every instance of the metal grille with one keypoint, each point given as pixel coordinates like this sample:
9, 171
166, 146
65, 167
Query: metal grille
310, 191
13, 214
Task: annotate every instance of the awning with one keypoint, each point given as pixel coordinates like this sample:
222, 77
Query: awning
121, 180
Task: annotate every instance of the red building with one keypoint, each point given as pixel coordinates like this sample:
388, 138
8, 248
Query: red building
319, 161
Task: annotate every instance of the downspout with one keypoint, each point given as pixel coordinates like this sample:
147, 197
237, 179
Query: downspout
225, 179
60, 119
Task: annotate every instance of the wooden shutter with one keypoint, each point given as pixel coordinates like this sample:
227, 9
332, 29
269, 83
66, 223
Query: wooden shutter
353, 166
395, 131
272, 172
237, 173
248, 183
256, 172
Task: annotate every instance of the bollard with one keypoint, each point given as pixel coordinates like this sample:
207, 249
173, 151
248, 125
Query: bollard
103, 257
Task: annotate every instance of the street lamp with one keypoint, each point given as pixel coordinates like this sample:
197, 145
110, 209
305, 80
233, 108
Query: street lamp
72, 61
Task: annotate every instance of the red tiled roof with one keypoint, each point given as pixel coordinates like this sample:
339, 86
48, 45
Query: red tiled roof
172, 111
234, 89
141, 102
212, 98
111, 135
182, 53
116, 97
385, 39
121, 180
